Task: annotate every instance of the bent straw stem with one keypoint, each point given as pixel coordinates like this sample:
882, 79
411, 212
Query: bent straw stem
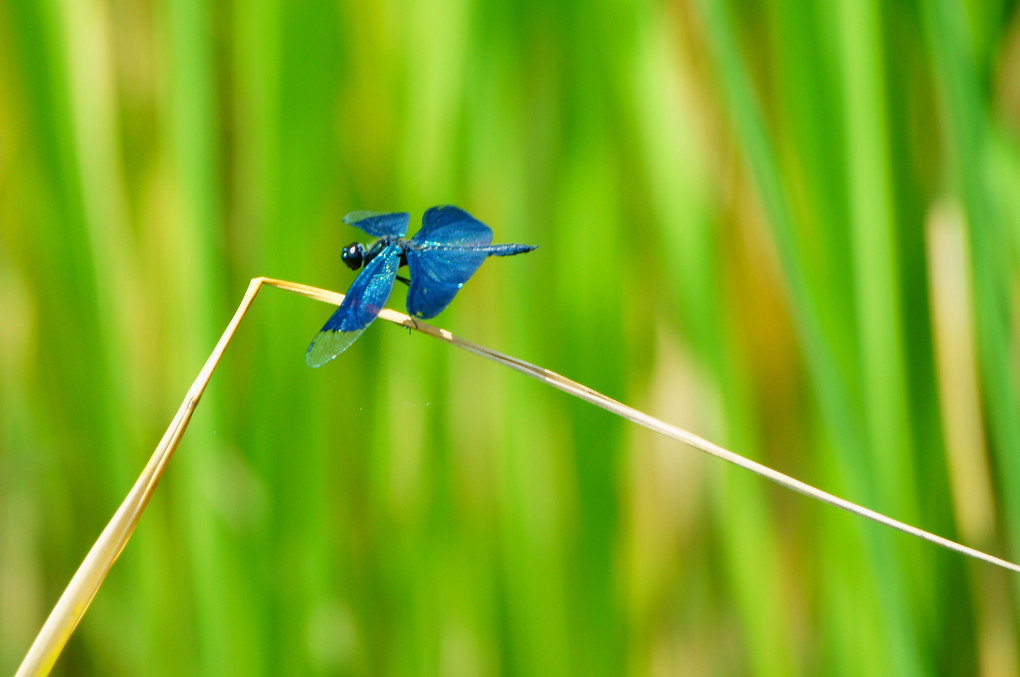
652, 423
78, 594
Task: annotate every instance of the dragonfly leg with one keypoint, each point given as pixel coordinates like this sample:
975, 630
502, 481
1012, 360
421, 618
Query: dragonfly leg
404, 280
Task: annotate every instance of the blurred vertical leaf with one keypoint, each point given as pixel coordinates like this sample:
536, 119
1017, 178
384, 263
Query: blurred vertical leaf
954, 62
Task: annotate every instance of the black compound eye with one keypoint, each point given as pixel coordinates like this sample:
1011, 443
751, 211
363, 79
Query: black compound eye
353, 255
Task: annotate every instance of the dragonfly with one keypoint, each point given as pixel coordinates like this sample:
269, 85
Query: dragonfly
445, 252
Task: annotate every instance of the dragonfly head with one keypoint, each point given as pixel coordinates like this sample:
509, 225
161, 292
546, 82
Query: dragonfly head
353, 255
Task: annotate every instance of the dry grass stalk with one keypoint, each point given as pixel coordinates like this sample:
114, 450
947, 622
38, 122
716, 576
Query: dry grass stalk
71, 606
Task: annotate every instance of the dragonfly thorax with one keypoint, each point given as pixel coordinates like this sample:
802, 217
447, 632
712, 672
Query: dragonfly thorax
356, 255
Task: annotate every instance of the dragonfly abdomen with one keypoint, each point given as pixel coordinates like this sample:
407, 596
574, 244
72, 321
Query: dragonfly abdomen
488, 250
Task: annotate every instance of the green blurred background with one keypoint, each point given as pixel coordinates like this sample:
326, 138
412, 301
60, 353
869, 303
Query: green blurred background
790, 226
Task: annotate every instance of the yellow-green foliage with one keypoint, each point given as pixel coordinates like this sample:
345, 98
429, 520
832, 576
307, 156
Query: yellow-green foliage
788, 226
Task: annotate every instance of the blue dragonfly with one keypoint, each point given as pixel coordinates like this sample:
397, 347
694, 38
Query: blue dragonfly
441, 257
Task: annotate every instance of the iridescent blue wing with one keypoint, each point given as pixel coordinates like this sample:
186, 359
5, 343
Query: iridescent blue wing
379, 224
443, 255
452, 227
360, 306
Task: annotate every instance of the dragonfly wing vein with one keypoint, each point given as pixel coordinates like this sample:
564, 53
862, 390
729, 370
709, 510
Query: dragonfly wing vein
379, 224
